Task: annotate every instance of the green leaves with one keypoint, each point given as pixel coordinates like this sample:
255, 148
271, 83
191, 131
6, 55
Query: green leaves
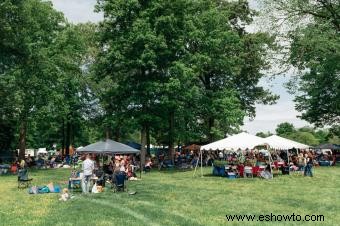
190, 60
44, 81
314, 50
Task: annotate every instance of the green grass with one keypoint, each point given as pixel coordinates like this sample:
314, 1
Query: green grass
175, 198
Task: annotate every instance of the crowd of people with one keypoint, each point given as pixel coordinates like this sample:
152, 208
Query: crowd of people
122, 163
39, 161
294, 159
291, 160
91, 166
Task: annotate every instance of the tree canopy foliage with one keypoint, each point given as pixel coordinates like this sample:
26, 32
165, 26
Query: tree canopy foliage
174, 65
306, 135
41, 72
160, 71
313, 33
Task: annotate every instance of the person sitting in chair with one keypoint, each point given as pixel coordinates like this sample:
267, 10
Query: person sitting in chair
148, 165
266, 174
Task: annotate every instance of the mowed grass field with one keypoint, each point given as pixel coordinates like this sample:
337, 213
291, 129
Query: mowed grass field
175, 198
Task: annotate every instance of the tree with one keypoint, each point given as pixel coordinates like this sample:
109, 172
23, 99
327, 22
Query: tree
284, 129
72, 57
314, 50
263, 134
174, 65
47, 80
32, 26
9, 41
304, 137
132, 58
228, 62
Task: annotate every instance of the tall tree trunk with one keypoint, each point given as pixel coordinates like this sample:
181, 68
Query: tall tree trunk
22, 139
148, 140
210, 132
117, 134
143, 143
171, 151
108, 134
68, 137
72, 136
63, 134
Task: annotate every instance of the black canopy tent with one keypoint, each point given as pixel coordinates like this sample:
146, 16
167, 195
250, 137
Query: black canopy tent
108, 147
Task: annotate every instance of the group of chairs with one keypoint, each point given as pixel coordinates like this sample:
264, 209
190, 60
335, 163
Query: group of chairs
117, 181
244, 171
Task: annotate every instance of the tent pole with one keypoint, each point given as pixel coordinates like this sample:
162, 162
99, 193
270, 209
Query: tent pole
288, 161
201, 163
270, 161
103, 163
196, 167
140, 165
200, 156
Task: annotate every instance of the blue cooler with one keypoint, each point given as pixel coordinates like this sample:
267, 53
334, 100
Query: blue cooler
221, 172
215, 171
231, 176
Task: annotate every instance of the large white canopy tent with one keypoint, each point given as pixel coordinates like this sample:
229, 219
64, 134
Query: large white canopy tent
235, 142
277, 142
280, 143
42, 151
239, 141
247, 141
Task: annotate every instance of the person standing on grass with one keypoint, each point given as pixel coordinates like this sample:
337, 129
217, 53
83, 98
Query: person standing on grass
88, 167
309, 167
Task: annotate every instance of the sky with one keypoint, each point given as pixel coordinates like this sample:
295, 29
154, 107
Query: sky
267, 117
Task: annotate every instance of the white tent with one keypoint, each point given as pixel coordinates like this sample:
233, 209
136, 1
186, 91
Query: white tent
239, 141
42, 151
277, 142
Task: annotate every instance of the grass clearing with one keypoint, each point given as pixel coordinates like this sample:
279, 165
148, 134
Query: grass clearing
175, 198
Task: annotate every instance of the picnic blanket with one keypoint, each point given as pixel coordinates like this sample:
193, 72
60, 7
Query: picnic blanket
50, 188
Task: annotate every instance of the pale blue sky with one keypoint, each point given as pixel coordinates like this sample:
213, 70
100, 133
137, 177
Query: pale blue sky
79, 11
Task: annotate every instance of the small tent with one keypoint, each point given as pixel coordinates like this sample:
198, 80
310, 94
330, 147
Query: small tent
42, 151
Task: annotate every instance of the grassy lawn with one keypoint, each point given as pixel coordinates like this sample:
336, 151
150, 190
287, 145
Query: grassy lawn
175, 198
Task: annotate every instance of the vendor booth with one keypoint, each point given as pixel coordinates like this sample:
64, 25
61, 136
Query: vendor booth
102, 148
246, 144
234, 143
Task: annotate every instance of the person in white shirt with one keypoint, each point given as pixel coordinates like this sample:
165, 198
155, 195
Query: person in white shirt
88, 167
221, 155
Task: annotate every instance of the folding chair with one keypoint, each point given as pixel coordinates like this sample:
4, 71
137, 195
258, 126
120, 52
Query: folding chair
261, 169
23, 180
119, 183
248, 171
